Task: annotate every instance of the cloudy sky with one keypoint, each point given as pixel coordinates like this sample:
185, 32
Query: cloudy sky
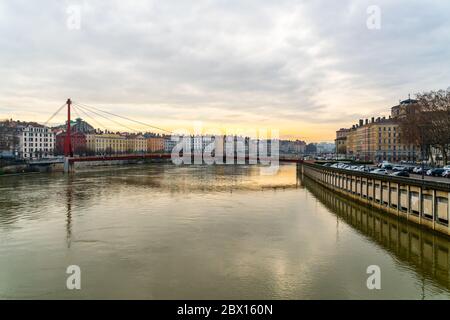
304, 67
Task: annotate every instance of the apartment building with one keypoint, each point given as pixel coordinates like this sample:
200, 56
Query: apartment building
111, 143
155, 144
341, 140
379, 139
36, 142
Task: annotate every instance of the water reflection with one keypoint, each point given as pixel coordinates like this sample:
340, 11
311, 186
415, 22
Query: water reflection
69, 197
219, 232
424, 251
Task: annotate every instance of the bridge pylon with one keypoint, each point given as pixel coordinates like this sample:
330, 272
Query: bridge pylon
68, 150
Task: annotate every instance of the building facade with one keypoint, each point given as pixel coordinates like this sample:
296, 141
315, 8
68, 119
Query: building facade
78, 140
112, 143
296, 147
341, 140
9, 139
36, 142
379, 139
155, 144
169, 144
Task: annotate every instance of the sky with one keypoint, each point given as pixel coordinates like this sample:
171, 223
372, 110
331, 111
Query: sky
305, 68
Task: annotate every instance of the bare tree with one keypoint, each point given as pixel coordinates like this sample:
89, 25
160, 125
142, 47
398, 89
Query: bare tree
435, 115
427, 123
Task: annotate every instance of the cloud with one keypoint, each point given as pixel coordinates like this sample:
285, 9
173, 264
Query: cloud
309, 62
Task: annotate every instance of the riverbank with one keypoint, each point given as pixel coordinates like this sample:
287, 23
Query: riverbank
422, 202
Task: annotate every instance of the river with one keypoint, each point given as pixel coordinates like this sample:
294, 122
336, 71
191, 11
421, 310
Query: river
206, 232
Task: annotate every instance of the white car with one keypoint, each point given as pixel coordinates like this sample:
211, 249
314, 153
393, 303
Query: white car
380, 171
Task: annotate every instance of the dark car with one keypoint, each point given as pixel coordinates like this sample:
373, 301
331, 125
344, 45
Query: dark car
437, 172
401, 174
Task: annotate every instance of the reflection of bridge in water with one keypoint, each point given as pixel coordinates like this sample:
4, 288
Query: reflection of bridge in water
424, 251
69, 162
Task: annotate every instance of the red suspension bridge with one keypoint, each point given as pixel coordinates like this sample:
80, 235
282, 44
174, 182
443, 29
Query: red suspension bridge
94, 113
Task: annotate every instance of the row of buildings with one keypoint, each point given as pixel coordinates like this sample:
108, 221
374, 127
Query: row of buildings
379, 139
29, 140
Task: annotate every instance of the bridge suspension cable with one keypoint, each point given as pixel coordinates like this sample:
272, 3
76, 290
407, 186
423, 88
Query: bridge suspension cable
96, 122
109, 119
54, 114
122, 117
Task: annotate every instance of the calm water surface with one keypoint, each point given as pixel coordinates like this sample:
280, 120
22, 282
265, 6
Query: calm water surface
166, 232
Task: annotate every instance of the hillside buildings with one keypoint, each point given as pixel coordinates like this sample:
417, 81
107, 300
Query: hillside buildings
9, 138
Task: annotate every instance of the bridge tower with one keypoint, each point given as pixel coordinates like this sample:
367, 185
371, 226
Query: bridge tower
68, 151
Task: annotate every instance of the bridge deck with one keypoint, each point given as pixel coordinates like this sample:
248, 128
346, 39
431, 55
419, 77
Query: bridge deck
157, 156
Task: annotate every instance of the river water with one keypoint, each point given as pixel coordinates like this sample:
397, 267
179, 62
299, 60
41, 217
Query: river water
205, 232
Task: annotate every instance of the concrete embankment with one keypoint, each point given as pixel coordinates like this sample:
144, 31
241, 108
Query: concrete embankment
422, 202
105, 163
27, 168
59, 167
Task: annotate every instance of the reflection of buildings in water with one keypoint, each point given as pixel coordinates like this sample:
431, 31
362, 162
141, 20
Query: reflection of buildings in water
427, 252
200, 179
83, 189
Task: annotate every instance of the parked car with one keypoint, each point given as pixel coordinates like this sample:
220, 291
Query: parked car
381, 164
398, 168
380, 171
446, 173
419, 169
403, 173
436, 172
386, 166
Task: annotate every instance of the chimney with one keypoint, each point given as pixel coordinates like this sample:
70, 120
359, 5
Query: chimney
378, 119
361, 122
373, 119
367, 121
